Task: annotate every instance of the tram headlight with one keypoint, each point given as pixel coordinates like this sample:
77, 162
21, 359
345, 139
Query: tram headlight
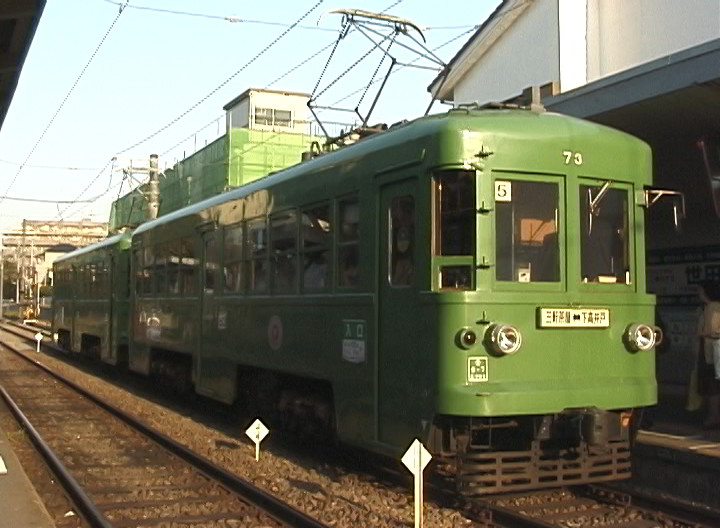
466, 338
640, 336
659, 335
504, 339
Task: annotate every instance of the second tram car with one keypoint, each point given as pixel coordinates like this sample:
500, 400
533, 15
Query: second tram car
474, 279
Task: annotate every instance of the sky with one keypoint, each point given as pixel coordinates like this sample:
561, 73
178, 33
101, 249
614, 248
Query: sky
101, 82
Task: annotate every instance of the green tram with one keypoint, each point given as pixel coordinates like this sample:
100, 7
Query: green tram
91, 299
475, 279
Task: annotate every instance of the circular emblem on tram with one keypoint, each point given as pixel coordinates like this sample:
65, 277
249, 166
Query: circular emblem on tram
275, 332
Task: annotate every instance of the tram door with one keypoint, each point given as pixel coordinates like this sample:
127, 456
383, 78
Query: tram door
398, 413
208, 328
108, 351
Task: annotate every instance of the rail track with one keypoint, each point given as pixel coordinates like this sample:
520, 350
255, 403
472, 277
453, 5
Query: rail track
570, 507
120, 472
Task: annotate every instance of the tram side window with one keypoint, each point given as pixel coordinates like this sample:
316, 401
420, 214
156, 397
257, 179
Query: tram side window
161, 274
139, 272
348, 254
283, 239
148, 265
604, 235
257, 255
75, 287
87, 290
526, 231
232, 258
188, 266
402, 241
173, 267
90, 280
101, 274
210, 265
316, 235
454, 224
106, 284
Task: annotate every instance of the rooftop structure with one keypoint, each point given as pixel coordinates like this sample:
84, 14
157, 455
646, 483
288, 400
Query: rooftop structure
266, 131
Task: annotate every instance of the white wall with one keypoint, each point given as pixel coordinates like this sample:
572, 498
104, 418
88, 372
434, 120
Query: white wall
580, 41
239, 115
627, 33
525, 55
242, 115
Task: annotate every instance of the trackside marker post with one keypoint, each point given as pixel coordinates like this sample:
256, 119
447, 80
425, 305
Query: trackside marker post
257, 431
38, 338
415, 459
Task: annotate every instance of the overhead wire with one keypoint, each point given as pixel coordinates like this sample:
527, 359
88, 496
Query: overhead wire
192, 134
42, 200
96, 178
67, 96
198, 103
54, 167
446, 43
305, 61
225, 82
227, 18
241, 20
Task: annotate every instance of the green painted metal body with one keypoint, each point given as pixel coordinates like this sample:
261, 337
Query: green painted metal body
91, 298
412, 369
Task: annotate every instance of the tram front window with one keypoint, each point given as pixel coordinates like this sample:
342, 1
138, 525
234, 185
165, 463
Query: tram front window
526, 231
455, 218
604, 234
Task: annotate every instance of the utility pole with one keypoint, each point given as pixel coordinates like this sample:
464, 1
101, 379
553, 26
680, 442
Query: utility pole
154, 188
21, 287
33, 274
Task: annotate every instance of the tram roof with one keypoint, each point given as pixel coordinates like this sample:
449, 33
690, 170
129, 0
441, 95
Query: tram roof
396, 135
122, 239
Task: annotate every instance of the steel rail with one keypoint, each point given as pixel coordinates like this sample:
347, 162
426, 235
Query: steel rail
277, 509
670, 507
25, 326
87, 508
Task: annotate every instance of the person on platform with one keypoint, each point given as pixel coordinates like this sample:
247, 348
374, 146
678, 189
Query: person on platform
708, 365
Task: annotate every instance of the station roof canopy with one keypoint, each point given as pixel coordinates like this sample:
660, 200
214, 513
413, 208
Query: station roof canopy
18, 21
676, 96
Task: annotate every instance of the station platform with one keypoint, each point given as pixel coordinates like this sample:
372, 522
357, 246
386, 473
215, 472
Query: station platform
19, 503
675, 455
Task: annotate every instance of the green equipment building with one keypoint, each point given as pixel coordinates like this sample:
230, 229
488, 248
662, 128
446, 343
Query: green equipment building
266, 131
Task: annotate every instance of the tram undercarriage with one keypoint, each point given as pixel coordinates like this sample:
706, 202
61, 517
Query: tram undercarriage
500, 454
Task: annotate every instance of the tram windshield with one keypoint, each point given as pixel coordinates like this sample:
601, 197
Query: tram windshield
604, 234
526, 231
454, 231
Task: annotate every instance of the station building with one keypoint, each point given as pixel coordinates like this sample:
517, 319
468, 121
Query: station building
650, 68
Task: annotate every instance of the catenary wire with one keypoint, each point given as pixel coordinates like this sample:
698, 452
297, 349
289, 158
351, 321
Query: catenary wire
472, 28
226, 18
198, 103
67, 96
53, 167
225, 82
446, 43
96, 178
